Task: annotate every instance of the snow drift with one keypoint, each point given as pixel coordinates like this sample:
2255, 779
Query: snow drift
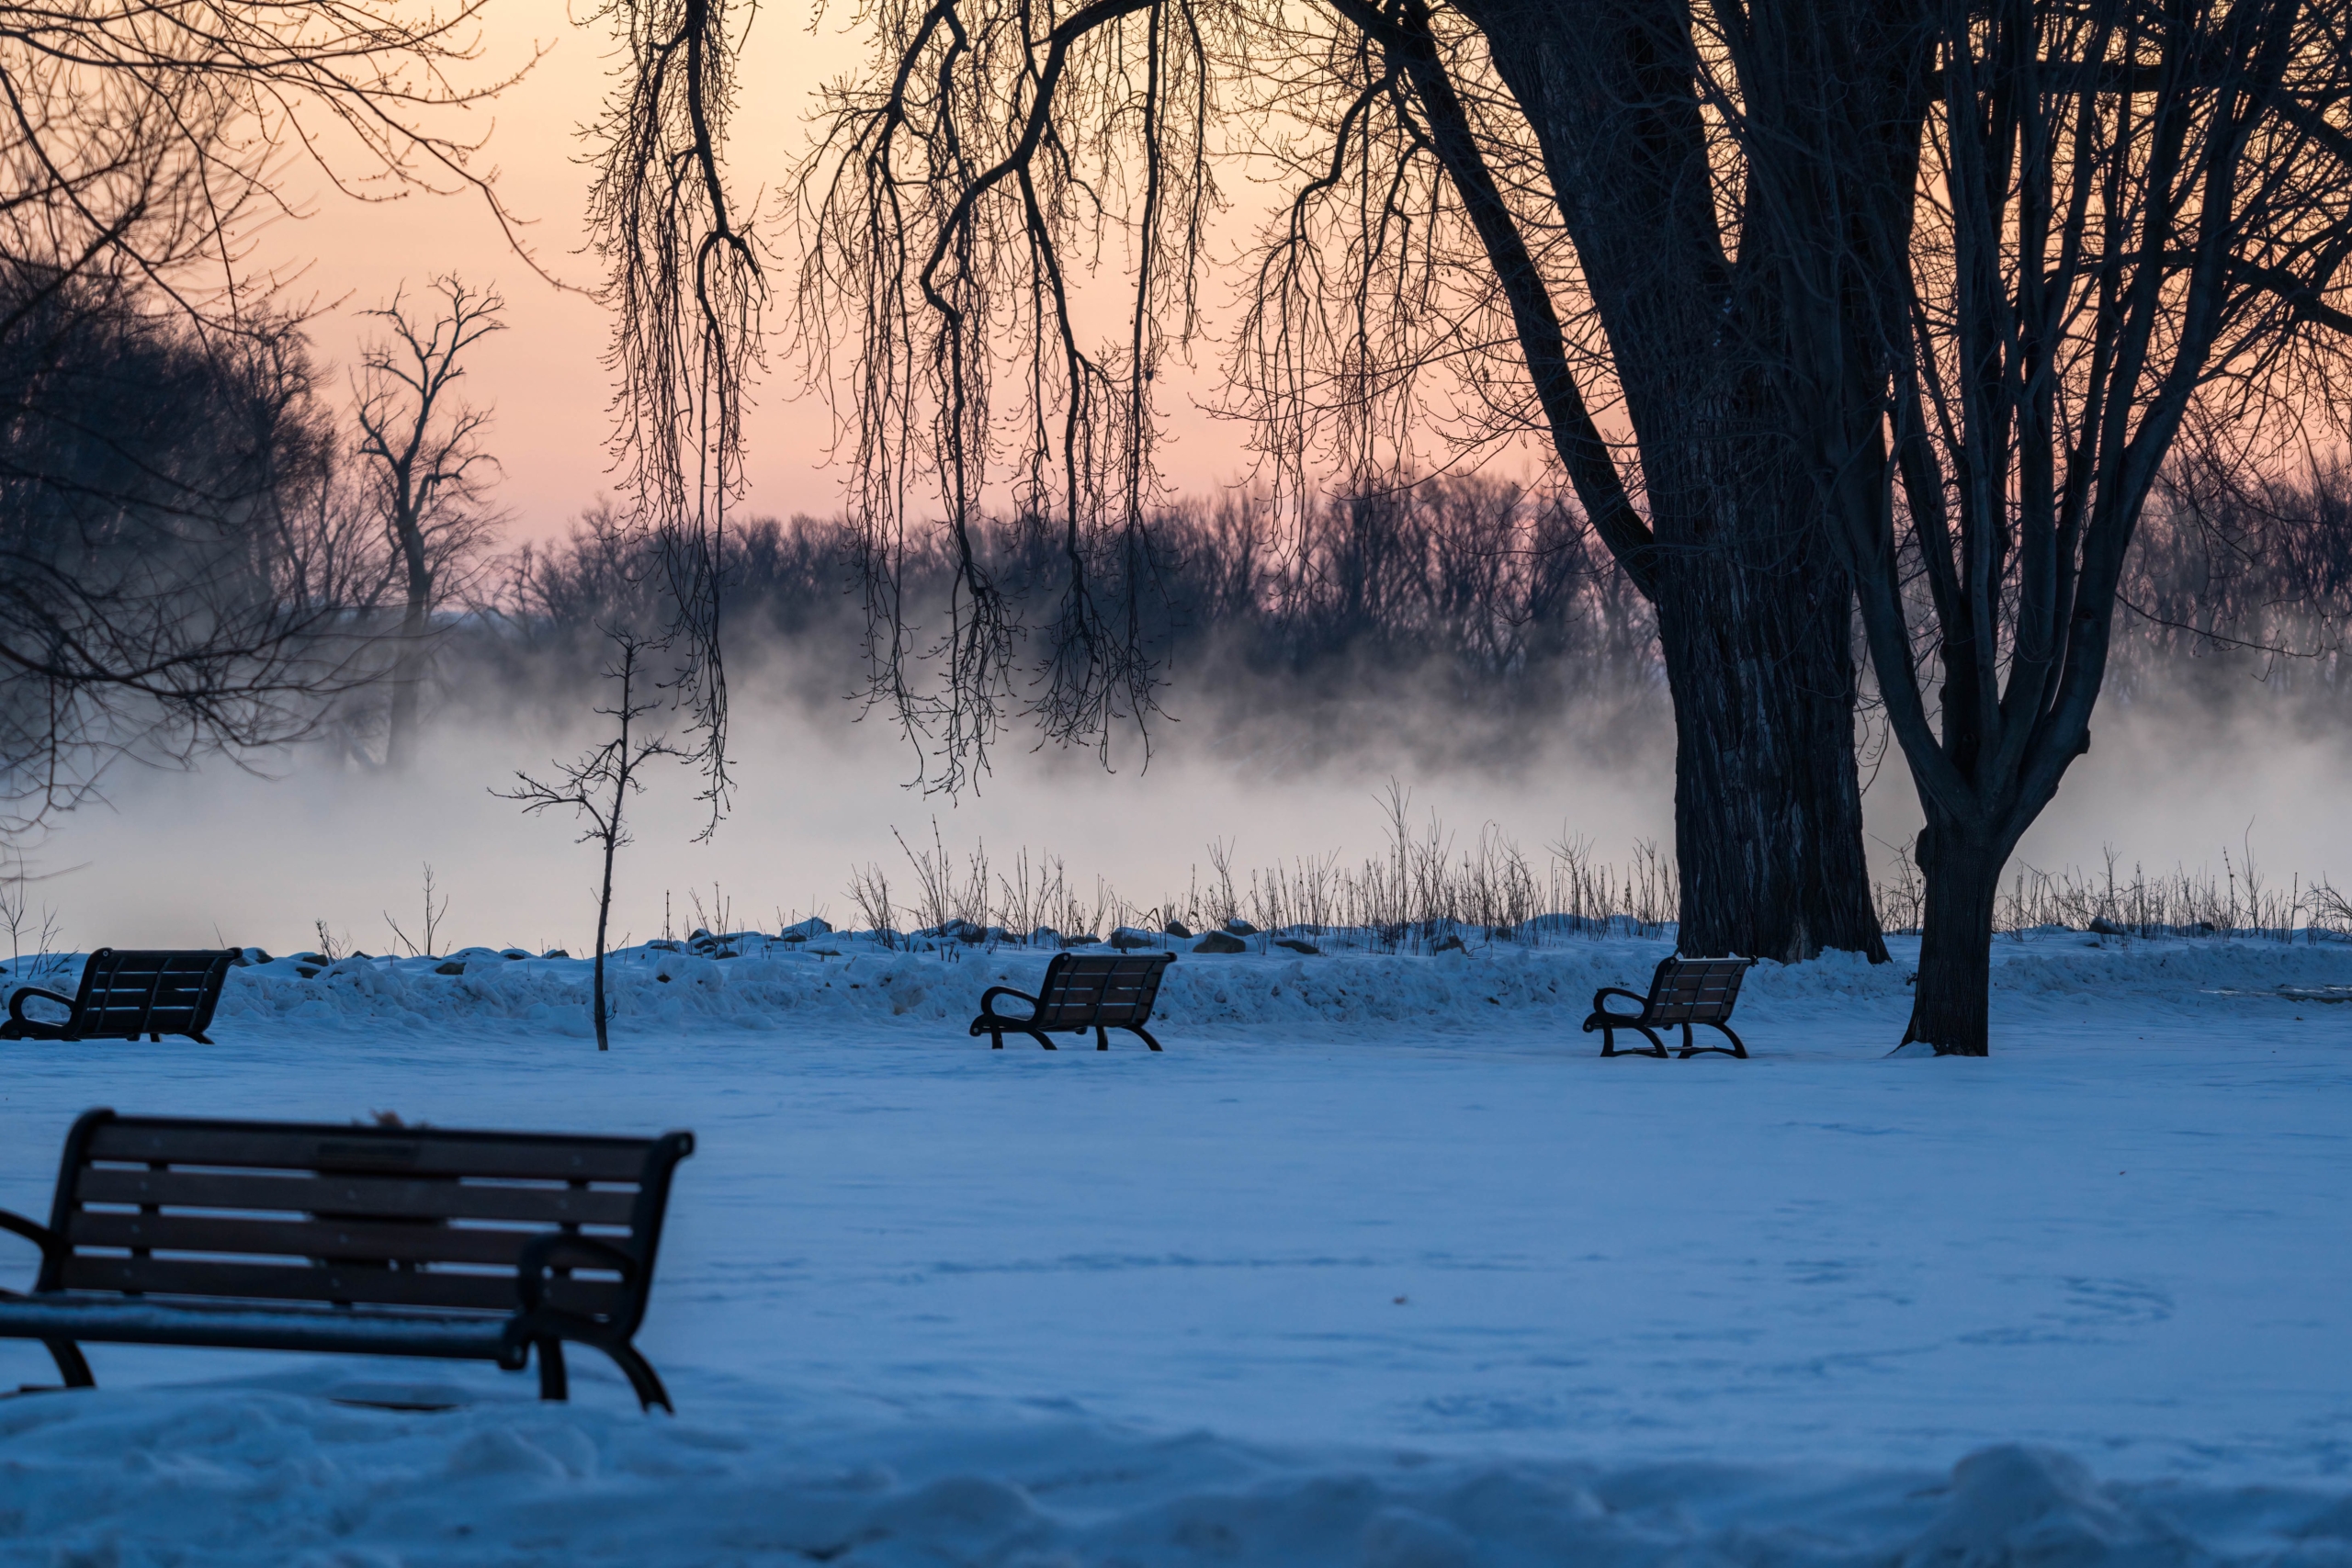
845, 980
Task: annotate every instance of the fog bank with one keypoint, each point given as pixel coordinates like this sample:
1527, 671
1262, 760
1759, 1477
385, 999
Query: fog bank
225, 855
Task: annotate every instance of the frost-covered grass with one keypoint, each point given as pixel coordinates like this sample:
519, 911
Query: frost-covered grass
1378, 1263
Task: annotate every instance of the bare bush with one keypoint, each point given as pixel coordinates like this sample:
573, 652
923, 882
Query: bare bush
870, 890
597, 786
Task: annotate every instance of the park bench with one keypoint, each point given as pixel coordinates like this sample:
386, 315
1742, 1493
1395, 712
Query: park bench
1082, 991
127, 993
375, 1240
1684, 991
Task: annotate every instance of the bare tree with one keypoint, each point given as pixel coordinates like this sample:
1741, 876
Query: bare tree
147, 481
2024, 245
428, 475
159, 434
597, 785
1508, 222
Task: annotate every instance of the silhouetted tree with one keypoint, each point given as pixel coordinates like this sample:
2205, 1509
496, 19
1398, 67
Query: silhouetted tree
2023, 243
179, 565
1507, 222
427, 474
683, 281
156, 492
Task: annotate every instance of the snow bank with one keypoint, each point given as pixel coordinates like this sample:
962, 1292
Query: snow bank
201, 1478
837, 980
923, 1302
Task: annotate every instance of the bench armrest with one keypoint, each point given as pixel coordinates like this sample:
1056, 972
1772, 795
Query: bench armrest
1640, 1001
16, 1006
53, 1246
988, 999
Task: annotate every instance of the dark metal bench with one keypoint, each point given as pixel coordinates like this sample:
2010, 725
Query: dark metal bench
1684, 991
386, 1241
1082, 991
125, 994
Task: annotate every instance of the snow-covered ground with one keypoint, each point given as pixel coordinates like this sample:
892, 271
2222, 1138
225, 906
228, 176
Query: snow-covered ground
1377, 1264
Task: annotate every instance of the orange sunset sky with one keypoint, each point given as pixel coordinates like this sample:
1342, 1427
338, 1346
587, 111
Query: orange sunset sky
544, 376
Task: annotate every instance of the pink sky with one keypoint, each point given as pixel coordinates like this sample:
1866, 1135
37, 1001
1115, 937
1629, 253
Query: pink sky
544, 375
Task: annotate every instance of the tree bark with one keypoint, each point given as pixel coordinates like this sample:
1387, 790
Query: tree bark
1754, 607
1952, 999
1768, 809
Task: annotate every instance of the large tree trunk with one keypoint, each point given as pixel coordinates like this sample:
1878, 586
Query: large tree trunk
1950, 1004
1768, 809
1755, 614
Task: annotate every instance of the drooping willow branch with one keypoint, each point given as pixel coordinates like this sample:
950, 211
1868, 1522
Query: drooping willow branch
1419, 195
685, 283
952, 220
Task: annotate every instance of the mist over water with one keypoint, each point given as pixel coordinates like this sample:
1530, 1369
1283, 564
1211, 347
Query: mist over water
223, 854
2180, 780
258, 857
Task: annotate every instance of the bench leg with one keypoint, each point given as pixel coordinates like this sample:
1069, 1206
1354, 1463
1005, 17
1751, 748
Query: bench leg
1137, 1028
553, 1381
1608, 1042
1101, 1040
1736, 1048
641, 1379
71, 1366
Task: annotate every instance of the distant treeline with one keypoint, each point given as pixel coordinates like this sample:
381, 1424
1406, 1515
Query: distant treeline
170, 559
188, 505
1492, 580
1494, 594
2235, 581
1487, 586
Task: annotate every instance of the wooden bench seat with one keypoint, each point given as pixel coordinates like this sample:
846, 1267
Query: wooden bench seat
1683, 991
388, 1241
1082, 991
126, 993
130, 1320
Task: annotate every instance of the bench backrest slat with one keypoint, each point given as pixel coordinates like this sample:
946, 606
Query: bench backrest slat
372, 1150
1084, 989
423, 1198
376, 1240
1695, 990
128, 992
387, 1216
